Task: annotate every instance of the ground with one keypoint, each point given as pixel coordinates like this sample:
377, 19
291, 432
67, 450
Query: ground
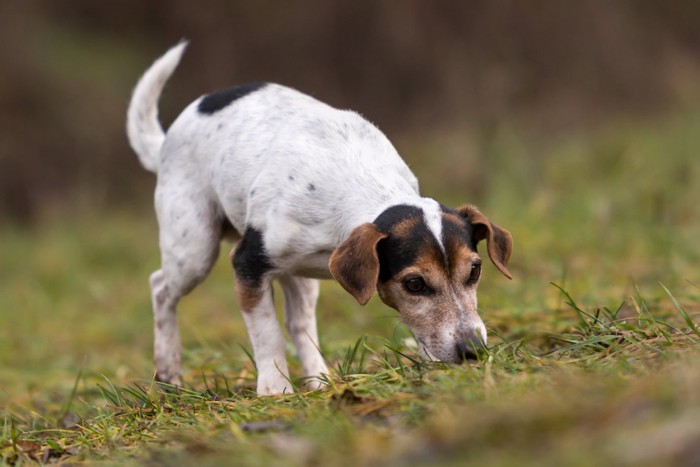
592, 352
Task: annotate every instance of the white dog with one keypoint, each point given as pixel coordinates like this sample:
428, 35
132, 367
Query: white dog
308, 192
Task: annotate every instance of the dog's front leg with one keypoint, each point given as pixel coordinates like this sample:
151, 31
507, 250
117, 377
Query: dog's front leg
254, 290
300, 297
266, 336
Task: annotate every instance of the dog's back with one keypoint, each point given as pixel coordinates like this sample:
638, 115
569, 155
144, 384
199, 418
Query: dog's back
270, 157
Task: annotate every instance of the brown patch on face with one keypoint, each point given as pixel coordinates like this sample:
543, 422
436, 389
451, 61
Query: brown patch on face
458, 248
405, 228
461, 260
454, 219
454, 238
431, 263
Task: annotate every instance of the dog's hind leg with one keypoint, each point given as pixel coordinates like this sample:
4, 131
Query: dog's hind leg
300, 297
254, 290
190, 233
166, 346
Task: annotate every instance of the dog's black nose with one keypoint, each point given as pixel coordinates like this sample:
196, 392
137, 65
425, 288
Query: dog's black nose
468, 350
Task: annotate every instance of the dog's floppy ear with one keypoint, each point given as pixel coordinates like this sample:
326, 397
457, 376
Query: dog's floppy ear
355, 263
499, 242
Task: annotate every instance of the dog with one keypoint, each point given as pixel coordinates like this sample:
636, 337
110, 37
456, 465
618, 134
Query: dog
307, 192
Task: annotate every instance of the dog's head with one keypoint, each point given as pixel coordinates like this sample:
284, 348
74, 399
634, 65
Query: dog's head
424, 263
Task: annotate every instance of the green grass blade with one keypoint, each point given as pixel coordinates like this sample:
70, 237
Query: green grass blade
693, 327
71, 397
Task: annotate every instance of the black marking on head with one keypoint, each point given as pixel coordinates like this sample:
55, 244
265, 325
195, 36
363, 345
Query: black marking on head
456, 228
216, 101
250, 260
395, 214
455, 234
398, 251
311, 187
453, 230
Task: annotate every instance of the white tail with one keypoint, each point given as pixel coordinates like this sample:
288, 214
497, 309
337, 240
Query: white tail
145, 133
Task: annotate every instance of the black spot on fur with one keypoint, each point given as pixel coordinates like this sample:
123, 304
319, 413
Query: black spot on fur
216, 101
250, 261
311, 187
291, 178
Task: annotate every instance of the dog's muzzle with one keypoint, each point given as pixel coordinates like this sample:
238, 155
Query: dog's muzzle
472, 345
469, 350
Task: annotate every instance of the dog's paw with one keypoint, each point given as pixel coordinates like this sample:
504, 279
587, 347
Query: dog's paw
269, 385
170, 379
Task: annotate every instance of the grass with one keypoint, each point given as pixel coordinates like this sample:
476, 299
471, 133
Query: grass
592, 352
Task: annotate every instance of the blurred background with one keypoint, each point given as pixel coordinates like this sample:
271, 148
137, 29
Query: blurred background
445, 80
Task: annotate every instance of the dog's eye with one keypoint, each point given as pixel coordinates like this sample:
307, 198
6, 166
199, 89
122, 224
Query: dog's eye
415, 285
474, 274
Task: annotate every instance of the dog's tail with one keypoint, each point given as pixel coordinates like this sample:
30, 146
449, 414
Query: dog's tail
146, 136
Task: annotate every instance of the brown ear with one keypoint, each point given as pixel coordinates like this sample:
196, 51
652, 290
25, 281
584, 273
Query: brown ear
499, 242
355, 263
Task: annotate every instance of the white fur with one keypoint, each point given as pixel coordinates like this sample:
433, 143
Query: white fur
433, 219
268, 345
303, 173
143, 128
